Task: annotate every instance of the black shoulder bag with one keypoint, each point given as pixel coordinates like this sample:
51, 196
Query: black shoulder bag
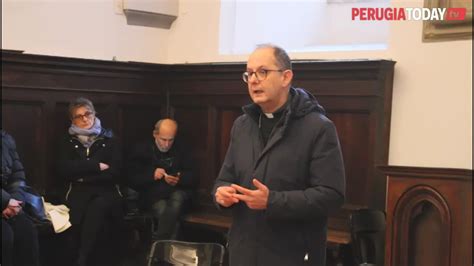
33, 203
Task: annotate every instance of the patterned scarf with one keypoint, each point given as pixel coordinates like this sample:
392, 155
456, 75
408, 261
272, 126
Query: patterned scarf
86, 136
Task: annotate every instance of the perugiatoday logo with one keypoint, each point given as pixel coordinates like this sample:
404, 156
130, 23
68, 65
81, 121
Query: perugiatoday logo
407, 13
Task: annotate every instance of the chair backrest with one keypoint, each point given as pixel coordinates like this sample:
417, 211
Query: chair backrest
368, 236
172, 252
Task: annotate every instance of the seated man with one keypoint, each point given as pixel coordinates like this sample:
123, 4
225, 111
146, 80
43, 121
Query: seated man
161, 174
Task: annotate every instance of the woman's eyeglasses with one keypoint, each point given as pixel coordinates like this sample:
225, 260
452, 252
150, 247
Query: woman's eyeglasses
88, 115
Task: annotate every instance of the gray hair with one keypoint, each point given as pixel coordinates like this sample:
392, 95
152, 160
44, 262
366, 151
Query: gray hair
80, 102
159, 122
282, 59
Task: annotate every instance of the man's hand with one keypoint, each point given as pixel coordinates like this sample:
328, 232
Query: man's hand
225, 196
172, 180
103, 166
255, 199
8, 213
12, 209
159, 173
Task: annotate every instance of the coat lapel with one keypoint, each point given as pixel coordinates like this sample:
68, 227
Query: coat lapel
275, 137
257, 142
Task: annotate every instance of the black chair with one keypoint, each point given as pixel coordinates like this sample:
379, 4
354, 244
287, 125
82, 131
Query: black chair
172, 252
368, 236
137, 219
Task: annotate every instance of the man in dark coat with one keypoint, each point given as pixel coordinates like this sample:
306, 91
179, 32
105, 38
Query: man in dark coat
283, 172
19, 236
161, 172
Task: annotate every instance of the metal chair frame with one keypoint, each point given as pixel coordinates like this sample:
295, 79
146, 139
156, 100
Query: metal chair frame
368, 236
175, 252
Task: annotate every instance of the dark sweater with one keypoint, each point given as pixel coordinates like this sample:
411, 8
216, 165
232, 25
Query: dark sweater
145, 158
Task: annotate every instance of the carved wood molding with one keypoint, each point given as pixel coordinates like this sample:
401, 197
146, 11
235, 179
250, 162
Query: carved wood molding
429, 216
411, 205
427, 172
70, 89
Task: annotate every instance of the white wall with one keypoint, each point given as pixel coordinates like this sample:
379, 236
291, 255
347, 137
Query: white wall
78, 28
309, 25
432, 95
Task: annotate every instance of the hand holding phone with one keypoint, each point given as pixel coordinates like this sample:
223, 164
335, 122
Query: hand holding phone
172, 179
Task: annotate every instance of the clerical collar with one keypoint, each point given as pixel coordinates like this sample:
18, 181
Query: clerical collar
269, 115
277, 113
268, 121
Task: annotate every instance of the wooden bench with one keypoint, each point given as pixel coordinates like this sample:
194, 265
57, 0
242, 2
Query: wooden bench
338, 241
221, 223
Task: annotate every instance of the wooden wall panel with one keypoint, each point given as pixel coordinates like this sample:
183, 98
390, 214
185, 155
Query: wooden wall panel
36, 91
137, 122
428, 237
193, 130
429, 216
25, 120
355, 138
205, 99
225, 121
193, 134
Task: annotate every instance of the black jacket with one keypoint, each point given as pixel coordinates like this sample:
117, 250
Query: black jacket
79, 167
302, 166
12, 170
145, 158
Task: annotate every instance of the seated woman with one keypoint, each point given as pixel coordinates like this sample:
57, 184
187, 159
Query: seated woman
19, 236
89, 159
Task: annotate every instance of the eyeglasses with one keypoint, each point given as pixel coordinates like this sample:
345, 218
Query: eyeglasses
88, 115
260, 74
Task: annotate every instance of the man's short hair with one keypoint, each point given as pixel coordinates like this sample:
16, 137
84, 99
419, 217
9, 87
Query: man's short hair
156, 130
282, 59
80, 102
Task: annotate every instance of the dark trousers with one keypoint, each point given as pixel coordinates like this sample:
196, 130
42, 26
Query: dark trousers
167, 213
101, 215
19, 242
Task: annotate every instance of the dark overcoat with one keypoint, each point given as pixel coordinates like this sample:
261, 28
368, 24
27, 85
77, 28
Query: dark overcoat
302, 166
12, 170
79, 166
